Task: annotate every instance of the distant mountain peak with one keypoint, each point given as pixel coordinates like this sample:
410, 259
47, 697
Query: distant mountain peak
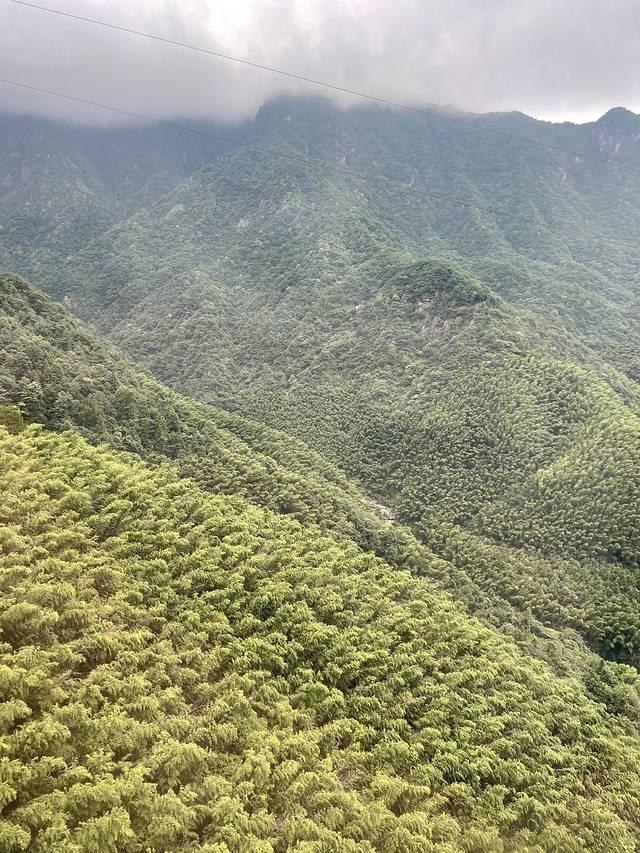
616, 129
619, 114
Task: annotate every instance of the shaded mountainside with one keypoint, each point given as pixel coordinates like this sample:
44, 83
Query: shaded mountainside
62, 375
553, 232
291, 291
464, 367
62, 185
203, 619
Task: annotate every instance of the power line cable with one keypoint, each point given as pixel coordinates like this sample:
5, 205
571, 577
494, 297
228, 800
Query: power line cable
332, 86
255, 147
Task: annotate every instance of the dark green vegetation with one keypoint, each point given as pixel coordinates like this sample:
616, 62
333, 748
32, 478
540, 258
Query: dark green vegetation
301, 296
63, 376
216, 627
466, 365
295, 234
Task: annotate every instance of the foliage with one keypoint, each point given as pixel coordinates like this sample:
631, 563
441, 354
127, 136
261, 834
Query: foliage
63, 376
447, 359
64, 184
183, 671
219, 643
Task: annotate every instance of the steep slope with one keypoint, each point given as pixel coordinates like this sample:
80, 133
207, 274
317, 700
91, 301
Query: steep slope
550, 231
488, 398
63, 376
281, 295
63, 185
185, 671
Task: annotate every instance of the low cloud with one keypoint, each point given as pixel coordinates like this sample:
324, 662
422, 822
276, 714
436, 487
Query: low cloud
572, 60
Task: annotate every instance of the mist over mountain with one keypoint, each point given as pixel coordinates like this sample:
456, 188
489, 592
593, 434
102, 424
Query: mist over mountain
65, 184
559, 61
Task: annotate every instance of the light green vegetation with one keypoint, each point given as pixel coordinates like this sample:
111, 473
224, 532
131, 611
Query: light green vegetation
182, 671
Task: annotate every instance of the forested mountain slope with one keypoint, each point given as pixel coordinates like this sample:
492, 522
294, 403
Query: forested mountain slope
209, 637
456, 388
466, 367
186, 671
63, 376
552, 231
63, 185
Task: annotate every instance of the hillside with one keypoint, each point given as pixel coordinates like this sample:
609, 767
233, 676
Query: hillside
64, 184
291, 292
63, 376
187, 671
551, 232
448, 385
363, 573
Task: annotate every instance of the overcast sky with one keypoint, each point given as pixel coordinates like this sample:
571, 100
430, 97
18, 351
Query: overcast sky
556, 59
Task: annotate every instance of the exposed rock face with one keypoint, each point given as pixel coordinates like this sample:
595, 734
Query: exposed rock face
436, 326
616, 131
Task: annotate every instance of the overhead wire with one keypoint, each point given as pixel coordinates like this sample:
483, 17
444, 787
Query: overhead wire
297, 158
327, 85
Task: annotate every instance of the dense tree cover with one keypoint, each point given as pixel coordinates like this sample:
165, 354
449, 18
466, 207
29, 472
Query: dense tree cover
186, 671
63, 375
551, 232
467, 370
472, 390
301, 297
64, 184
588, 499
599, 600
472, 445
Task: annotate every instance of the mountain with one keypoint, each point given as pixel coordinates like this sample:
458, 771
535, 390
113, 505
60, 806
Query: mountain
551, 232
64, 184
63, 376
184, 669
365, 577
277, 284
466, 363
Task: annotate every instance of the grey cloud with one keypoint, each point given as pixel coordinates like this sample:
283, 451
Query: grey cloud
571, 59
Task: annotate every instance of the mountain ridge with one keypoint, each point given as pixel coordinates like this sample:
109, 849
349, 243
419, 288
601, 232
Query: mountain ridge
215, 223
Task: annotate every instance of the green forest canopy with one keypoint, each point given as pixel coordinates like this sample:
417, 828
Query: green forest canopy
185, 669
63, 376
